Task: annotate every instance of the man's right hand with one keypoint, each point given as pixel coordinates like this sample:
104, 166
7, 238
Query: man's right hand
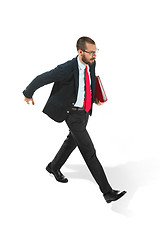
28, 100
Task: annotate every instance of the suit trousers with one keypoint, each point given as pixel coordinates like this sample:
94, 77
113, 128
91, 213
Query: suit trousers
78, 136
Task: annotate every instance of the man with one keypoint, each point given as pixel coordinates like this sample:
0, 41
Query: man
71, 99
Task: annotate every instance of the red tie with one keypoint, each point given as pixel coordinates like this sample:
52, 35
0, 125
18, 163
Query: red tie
87, 100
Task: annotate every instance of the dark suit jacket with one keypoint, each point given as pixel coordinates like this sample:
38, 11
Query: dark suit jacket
64, 91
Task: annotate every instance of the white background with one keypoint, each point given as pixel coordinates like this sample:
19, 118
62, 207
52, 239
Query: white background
36, 36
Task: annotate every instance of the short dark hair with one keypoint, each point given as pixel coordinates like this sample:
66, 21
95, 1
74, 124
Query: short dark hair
81, 42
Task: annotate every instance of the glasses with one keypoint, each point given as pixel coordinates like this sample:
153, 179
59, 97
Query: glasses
92, 52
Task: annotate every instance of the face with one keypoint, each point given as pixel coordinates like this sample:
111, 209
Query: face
88, 57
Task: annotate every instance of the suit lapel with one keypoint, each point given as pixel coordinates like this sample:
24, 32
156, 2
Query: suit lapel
76, 75
93, 80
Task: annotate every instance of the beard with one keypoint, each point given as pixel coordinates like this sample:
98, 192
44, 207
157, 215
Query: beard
84, 59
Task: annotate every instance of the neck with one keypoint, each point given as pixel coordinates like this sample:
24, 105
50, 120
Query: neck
80, 59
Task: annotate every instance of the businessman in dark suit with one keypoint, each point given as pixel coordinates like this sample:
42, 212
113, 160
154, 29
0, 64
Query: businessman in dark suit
72, 99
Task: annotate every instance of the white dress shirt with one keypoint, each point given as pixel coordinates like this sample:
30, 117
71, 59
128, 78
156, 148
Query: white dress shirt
81, 90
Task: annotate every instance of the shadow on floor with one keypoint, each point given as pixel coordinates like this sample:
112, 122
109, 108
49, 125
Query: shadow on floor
129, 176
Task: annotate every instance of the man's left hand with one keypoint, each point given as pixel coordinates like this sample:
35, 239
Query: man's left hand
96, 101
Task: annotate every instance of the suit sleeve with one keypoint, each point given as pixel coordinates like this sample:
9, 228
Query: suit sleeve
55, 75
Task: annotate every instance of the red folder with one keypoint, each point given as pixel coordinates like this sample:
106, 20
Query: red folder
99, 91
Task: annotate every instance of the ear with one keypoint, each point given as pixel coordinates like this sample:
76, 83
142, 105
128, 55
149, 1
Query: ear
80, 52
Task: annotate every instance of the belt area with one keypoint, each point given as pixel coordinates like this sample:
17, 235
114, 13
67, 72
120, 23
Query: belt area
77, 109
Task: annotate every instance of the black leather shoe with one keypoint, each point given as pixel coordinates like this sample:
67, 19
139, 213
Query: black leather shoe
57, 174
113, 195
116, 191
